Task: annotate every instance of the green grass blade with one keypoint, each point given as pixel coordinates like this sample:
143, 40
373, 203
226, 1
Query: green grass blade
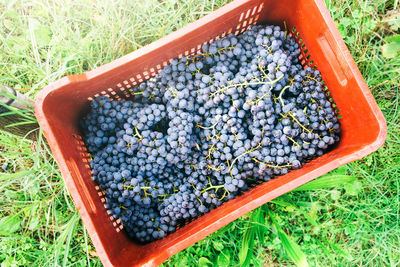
261, 230
64, 240
292, 249
28, 114
326, 181
246, 249
20, 123
15, 98
70, 230
16, 175
10, 224
247, 246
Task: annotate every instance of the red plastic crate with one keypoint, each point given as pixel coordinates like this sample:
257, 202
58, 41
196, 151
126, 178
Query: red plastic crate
60, 105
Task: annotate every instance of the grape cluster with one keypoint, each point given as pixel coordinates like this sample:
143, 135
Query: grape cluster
206, 128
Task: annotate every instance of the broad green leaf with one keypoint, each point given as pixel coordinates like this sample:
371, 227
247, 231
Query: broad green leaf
13, 14
9, 262
326, 181
183, 261
307, 216
393, 38
340, 170
353, 188
393, 19
218, 245
395, 23
290, 208
346, 21
42, 33
391, 50
33, 223
13, 176
369, 25
357, 14
33, 188
224, 258
203, 261
10, 224
335, 195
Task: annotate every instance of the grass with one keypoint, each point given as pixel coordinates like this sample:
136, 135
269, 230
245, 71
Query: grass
355, 222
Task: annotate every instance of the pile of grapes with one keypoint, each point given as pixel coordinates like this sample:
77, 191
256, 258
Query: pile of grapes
205, 129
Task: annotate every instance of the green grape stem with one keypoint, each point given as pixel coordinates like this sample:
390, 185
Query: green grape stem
272, 166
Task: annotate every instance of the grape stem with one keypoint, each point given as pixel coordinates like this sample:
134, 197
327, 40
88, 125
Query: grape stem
211, 167
207, 128
212, 187
272, 83
299, 123
284, 23
281, 94
138, 93
137, 134
173, 91
310, 78
272, 166
294, 142
223, 89
223, 196
225, 48
241, 155
163, 197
